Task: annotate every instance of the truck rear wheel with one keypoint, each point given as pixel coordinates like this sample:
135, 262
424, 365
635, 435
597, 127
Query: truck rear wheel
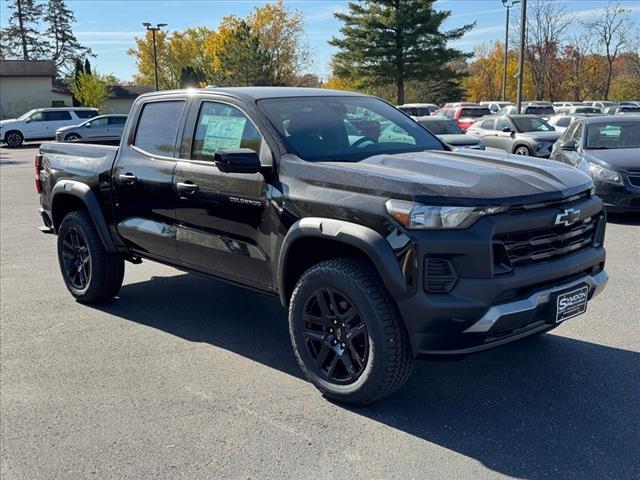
91, 274
346, 332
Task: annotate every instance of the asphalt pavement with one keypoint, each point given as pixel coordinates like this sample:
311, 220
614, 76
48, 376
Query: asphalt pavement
187, 377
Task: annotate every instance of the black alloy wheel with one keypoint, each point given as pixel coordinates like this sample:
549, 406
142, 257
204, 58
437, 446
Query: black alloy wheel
335, 336
13, 139
76, 259
72, 137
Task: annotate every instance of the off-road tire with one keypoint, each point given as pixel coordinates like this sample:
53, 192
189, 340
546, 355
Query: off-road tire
106, 269
389, 361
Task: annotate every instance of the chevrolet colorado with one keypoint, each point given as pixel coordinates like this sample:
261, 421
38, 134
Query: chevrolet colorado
383, 247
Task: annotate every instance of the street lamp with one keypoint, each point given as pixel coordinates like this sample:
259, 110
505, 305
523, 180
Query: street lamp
506, 4
523, 25
153, 29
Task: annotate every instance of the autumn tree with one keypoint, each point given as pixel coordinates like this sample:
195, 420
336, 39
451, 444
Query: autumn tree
611, 29
21, 39
90, 90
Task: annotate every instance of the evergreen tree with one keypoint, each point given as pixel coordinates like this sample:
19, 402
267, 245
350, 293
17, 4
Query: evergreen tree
191, 77
87, 66
388, 42
243, 60
63, 46
21, 39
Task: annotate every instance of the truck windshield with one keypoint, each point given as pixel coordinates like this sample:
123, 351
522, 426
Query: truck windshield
612, 135
344, 128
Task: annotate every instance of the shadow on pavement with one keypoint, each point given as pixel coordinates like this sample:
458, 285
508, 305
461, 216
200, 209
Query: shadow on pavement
548, 407
624, 218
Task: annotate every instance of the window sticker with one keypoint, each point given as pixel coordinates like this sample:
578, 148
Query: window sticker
223, 132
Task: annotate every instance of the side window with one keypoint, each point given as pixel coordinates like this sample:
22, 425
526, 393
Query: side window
99, 122
117, 120
56, 116
220, 127
502, 123
577, 134
158, 127
86, 113
487, 124
37, 117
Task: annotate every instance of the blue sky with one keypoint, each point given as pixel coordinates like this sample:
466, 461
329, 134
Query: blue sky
109, 26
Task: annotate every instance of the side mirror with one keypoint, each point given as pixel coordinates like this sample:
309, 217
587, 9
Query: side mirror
569, 145
506, 129
88, 125
239, 160
28, 120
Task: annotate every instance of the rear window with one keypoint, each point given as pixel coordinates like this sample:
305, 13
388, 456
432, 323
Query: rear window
564, 122
158, 127
540, 110
474, 112
56, 116
86, 113
630, 109
441, 127
587, 110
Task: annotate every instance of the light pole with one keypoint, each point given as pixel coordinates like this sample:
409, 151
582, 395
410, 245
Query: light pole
523, 26
506, 4
153, 30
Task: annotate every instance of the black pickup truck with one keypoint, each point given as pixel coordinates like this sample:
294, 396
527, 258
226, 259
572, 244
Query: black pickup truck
383, 243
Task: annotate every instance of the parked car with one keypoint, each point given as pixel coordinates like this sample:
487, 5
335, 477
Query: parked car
562, 121
449, 132
381, 251
541, 110
418, 109
601, 104
519, 134
622, 109
103, 128
465, 116
41, 124
560, 105
608, 148
494, 106
578, 109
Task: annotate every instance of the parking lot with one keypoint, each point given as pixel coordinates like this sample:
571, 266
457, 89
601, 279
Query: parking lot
185, 377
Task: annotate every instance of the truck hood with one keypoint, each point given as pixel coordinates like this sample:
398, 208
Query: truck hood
616, 158
458, 139
453, 178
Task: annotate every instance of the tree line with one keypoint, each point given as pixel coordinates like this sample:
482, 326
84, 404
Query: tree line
42, 31
599, 58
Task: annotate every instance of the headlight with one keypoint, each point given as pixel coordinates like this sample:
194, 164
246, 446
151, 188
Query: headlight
416, 216
604, 174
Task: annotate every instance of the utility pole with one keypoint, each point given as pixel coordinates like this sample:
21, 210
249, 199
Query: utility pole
506, 4
523, 26
153, 30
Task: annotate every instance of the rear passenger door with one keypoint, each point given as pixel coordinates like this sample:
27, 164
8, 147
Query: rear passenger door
143, 178
56, 119
221, 215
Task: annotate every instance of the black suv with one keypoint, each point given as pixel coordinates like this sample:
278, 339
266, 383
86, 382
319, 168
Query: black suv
383, 244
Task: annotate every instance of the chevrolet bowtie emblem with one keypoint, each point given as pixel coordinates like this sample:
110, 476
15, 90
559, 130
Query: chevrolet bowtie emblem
568, 217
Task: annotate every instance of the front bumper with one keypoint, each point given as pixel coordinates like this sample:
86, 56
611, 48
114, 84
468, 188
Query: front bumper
488, 307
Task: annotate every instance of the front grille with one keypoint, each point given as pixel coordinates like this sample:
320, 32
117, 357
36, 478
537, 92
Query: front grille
634, 177
544, 244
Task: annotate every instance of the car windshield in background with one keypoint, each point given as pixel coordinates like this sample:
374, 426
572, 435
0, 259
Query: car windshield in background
629, 109
441, 127
540, 111
474, 112
524, 124
344, 128
613, 135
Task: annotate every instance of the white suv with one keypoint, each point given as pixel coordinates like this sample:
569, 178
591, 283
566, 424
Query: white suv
41, 124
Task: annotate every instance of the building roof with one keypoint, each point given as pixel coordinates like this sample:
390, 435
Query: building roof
27, 68
116, 92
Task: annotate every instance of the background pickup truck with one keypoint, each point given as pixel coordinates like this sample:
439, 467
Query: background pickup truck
383, 247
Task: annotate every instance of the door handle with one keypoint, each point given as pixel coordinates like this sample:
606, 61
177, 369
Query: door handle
128, 178
187, 189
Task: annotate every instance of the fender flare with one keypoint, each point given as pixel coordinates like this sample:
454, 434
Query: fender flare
374, 246
83, 192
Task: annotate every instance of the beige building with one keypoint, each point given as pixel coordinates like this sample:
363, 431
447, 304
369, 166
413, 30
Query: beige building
31, 84
25, 85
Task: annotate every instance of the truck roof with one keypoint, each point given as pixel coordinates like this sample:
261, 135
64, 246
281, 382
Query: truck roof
259, 93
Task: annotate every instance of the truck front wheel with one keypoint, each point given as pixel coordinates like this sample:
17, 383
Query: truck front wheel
346, 332
91, 274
